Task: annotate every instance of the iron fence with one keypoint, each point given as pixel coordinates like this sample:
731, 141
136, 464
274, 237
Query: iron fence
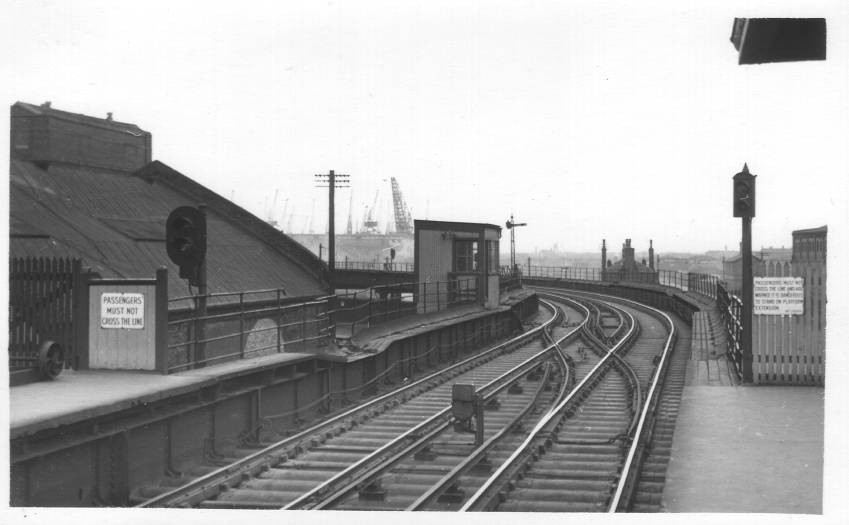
704, 284
509, 278
375, 266
731, 309
360, 309
253, 323
711, 286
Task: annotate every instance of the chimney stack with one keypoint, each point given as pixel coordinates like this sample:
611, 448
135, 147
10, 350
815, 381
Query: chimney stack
46, 105
603, 254
651, 255
109, 116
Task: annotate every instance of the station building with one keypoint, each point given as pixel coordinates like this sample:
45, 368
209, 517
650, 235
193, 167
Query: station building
85, 187
88, 204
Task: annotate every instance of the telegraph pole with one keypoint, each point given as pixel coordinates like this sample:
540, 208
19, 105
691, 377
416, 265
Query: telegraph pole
332, 181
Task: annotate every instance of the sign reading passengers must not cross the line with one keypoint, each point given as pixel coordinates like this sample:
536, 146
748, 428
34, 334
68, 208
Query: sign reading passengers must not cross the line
122, 310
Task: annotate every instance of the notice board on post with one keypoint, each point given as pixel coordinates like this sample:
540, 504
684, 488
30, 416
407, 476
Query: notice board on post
779, 296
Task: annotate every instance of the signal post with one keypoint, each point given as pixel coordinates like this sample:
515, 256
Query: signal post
185, 241
744, 207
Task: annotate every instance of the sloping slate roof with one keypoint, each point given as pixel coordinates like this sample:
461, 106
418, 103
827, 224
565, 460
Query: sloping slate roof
116, 223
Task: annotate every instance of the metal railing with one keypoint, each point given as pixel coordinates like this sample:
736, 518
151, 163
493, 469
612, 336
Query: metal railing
729, 305
731, 309
375, 266
509, 278
258, 322
364, 308
701, 283
262, 322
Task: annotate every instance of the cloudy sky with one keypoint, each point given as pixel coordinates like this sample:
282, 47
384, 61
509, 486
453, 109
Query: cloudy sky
586, 120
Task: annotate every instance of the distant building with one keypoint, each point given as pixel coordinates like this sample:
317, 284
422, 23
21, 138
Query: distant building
809, 262
777, 261
732, 271
627, 268
768, 262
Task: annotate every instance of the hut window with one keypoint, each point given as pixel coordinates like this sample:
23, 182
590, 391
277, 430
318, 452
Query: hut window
465, 256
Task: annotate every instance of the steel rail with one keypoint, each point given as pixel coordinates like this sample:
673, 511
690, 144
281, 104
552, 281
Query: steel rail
524, 449
476, 455
627, 370
626, 476
319, 495
250, 465
421, 443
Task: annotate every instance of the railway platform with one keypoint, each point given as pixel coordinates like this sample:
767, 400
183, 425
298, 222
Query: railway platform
77, 396
742, 448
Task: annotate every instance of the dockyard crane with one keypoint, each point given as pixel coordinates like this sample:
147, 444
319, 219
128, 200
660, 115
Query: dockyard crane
403, 217
350, 229
270, 211
312, 214
370, 222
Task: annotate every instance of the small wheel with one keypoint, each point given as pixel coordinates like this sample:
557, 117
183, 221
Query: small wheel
51, 359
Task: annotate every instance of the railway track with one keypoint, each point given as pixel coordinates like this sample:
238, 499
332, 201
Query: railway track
602, 445
585, 454
649, 480
302, 470
442, 470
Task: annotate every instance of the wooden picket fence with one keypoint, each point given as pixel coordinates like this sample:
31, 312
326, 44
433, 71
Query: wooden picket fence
41, 307
790, 350
786, 351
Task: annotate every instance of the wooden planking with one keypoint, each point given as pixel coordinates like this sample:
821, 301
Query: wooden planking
791, 349
122, 349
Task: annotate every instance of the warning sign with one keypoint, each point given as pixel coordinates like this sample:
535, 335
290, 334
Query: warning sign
122, 310
779, 296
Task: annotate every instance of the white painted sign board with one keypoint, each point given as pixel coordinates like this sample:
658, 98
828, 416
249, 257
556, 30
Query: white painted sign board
122, 310
779, 296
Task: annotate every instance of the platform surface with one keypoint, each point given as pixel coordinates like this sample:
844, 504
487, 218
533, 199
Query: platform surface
747, 449
78, 395
752, 449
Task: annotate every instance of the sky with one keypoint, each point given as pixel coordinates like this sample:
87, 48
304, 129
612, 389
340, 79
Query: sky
585, 120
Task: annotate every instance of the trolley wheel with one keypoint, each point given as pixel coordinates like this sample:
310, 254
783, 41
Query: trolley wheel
51, 359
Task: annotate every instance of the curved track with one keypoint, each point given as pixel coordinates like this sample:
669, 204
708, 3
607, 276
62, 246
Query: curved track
576, 419
299, 471
581, 456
